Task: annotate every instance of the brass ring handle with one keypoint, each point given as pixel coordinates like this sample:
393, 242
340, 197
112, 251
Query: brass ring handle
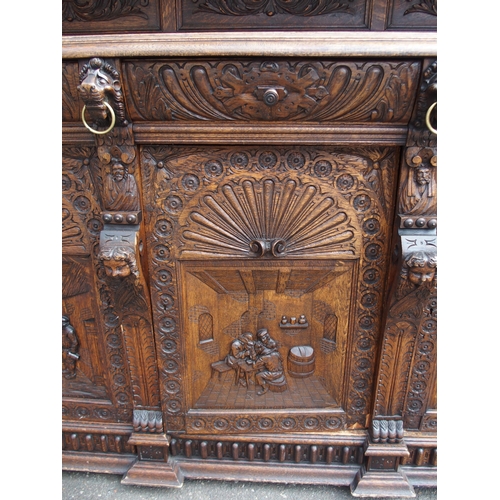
113, 120
428, 118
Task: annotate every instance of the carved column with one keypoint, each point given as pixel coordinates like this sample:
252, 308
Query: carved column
123, 285
406, 371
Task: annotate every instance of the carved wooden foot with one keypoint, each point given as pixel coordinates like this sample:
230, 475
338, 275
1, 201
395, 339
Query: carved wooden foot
377, 483
265, 388
146, 473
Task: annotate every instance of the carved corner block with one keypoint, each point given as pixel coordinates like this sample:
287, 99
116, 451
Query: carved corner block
384, 451
154, 466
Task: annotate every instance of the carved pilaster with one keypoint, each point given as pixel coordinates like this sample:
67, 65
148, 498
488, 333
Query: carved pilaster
406, 370
123, 286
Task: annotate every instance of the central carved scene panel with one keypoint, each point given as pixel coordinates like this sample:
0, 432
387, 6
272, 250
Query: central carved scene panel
268, 267
269, 335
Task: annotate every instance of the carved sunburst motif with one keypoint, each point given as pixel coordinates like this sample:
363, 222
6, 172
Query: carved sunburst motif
269, 218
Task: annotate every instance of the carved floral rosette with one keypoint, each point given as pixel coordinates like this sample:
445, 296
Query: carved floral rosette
360, 182
82, 199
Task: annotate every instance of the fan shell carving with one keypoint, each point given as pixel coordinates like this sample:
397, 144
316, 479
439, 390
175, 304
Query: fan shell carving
269, 219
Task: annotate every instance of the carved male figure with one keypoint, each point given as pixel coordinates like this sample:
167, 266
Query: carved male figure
242, 349
419, 196
271, 375
121, 193
69, 347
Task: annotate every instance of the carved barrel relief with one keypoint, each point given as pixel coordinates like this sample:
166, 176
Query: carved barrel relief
265, 248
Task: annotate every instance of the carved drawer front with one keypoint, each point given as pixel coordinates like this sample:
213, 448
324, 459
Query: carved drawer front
293, 240
271, 90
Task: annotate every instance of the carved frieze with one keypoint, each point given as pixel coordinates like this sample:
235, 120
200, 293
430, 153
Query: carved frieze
97, 10
412, 15
277, 14
319, 453
96, 442
273, 90
109, 15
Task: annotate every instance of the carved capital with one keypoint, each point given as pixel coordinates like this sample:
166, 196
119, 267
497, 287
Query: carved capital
148, 421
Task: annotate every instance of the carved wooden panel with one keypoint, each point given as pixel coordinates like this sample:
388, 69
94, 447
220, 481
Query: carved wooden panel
273, 14
71, 104
249, 235
94, 16
100, 372
412, 15
271, 90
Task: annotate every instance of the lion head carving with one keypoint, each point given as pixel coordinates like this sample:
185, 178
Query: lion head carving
100, 83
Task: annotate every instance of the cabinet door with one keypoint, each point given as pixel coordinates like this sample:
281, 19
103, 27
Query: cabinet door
291, 240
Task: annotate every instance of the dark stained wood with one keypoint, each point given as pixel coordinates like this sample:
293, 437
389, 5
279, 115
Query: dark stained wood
109, 16
249, 245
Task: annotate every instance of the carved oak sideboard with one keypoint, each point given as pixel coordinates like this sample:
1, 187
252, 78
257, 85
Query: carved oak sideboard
249, 242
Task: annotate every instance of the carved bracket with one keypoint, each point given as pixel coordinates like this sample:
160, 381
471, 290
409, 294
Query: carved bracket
118, 251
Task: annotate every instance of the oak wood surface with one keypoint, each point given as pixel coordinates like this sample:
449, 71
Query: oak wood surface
249, 255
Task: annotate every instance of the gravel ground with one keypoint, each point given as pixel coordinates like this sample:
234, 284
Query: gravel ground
84, 485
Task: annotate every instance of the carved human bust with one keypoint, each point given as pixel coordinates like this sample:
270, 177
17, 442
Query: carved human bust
119, 262
421, 267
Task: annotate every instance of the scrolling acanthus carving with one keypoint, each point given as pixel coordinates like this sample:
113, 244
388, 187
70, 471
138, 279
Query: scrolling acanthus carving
423, 7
